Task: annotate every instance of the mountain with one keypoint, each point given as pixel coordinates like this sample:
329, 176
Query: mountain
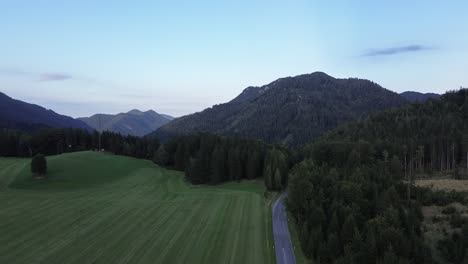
134, 122
290, 110
419, 97
20, 115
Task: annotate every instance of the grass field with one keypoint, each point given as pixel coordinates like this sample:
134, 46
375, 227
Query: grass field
100, 208
444, 184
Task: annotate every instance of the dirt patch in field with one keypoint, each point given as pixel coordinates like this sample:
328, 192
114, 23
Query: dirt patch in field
444, 184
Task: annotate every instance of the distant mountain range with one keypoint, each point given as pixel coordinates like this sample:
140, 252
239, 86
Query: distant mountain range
290, 110
16, 114
134, 122
419, 97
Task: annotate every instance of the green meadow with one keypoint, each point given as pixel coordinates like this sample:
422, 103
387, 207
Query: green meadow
101, 208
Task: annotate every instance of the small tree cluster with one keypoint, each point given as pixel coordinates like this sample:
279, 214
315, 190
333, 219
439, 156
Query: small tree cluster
207, 158
39, 165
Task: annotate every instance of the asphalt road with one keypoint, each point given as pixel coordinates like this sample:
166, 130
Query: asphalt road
283, 245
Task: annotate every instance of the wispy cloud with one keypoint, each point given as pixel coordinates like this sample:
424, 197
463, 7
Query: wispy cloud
395, 50
12, 71
36, 76
52, 77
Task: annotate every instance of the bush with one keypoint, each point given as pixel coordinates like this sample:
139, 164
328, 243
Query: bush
449, 210
457, 220
39, 165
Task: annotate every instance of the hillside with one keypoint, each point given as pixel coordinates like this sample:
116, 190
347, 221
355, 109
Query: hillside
134, 122
290, 110
20, 115
101, 208
419, 97
433, 134
369, 166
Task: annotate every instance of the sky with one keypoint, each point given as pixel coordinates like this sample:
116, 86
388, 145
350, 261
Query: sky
178, 57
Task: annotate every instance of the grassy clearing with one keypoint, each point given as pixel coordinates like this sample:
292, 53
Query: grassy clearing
99, 208
444, 184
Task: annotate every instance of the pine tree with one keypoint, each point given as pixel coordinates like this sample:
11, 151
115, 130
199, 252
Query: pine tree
253, 164
39, 165
179, 157
218, 165
161, 157
234, 164
348, 230
277, 180
267, 178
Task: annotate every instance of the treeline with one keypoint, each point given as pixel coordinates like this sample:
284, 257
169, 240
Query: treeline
15, 143
429, 137
350, 206
207, 158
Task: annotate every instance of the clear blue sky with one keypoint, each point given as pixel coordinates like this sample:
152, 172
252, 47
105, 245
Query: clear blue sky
178, 57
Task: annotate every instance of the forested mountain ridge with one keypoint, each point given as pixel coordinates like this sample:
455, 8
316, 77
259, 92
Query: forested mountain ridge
16, 114
352, 197
419, 97
291, 110
134, 122
431, 136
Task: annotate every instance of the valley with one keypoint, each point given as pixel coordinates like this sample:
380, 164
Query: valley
101, 208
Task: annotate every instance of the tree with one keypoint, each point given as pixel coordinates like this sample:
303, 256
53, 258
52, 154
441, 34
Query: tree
465, 145
348, 230
254, 164
179, 156
390, 257
161, 157
277, 178
276, 169
234, 164
39, 165
218, 164
395, 167
267, 178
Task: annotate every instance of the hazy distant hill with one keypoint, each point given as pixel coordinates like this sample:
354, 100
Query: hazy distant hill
290, 110
17, 114
134, 122
419, 97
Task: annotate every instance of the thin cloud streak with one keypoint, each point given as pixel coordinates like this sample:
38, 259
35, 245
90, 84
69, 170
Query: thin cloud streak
52, 77
41, 77
395, 50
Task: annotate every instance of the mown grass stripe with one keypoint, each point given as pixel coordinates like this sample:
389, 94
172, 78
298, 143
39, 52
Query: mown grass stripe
133, 213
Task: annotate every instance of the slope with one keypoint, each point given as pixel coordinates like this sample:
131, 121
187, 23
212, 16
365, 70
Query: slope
290, 110
17, 114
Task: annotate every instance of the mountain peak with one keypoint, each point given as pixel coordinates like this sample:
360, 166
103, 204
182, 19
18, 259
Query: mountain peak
413, 96
135, 112
134, 122
290, 110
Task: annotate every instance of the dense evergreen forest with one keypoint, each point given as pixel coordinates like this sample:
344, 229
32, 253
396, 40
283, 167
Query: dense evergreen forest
53, 141
429, 137
349, 198
204, 158
207, 158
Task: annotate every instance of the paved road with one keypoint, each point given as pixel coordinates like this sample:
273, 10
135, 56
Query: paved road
283, 245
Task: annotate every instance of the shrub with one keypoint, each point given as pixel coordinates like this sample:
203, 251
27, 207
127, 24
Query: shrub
39, 165
449, 210
457, 221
